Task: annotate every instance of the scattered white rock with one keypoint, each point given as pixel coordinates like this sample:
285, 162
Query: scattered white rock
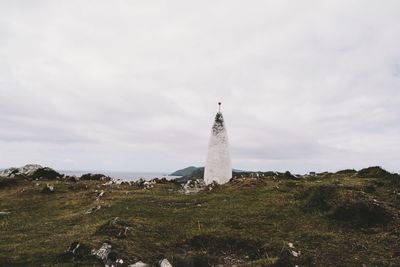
119, 261
193, 186
103, 252
290, 245
165, 263
91, 210
124, 232
4, 213
99, 194
74, 247
295, 254
48, 189
212, 185
29, 170
139, 264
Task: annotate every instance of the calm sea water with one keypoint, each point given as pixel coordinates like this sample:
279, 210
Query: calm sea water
128, 176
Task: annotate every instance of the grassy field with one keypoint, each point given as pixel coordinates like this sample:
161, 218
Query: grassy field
340, 219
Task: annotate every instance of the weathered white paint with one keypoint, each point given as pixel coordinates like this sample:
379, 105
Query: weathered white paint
218, 166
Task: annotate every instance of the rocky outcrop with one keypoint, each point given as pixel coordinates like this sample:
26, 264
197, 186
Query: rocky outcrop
95, 176
25, 170
32, 171
193, 186
103, 252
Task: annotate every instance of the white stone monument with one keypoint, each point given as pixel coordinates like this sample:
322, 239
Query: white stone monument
218, 164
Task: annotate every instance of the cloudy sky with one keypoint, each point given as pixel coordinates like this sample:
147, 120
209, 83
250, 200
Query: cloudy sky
134, 85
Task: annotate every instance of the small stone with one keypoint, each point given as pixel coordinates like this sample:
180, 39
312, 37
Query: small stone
48, 189
139, 264
295, 254
73, 247
76, 249
91, 210
165, 263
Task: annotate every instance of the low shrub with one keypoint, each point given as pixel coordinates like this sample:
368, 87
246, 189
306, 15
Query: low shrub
374, 172
321, 197
357, 210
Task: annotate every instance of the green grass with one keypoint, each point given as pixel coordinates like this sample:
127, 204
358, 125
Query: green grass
248, 223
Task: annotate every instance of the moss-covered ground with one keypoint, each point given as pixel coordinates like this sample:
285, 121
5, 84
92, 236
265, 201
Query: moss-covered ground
332, 220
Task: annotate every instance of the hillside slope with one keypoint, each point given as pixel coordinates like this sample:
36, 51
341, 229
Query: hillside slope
324, 220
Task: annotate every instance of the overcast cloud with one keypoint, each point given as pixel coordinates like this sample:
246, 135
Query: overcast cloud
134, 85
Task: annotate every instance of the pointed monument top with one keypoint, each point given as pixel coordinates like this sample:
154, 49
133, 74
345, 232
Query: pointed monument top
219, 104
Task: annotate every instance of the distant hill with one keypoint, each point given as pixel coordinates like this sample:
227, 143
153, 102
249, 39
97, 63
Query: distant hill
184, 172
197, 172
